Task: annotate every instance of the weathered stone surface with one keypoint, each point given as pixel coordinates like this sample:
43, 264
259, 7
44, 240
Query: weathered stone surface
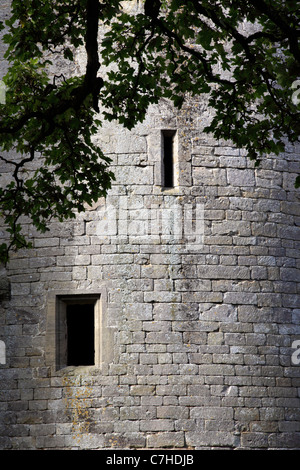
201, 322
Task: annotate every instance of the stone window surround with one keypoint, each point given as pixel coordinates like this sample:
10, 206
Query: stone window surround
156, 139
172, 135
55, 330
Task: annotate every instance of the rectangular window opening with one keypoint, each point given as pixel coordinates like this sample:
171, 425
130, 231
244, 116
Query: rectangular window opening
78, 330
168, 177
80, 335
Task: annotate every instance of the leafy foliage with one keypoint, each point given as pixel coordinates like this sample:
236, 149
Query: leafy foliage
54, 121
243, 55
201, 47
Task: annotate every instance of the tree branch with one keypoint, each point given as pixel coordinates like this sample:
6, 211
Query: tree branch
91, 81
275, 16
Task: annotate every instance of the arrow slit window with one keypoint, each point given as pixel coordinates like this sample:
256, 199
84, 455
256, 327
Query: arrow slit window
169, 157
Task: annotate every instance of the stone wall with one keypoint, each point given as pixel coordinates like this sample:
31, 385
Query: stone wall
200, 330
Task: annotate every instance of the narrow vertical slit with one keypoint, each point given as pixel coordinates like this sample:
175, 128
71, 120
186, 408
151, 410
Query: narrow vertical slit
168, 158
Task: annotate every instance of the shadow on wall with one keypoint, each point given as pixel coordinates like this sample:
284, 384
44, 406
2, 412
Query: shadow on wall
4, 288
4, 295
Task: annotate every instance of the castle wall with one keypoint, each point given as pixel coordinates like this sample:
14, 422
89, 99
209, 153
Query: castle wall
199, 303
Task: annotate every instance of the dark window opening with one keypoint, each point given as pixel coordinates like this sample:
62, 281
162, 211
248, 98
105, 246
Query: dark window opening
80, 334
168, 158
